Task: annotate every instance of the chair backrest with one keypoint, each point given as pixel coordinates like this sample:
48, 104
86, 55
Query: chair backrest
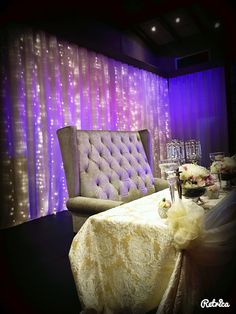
114, 165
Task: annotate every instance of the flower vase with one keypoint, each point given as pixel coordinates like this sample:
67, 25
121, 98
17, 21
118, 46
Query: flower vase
162, 212
195, 194
163, 207
213, 194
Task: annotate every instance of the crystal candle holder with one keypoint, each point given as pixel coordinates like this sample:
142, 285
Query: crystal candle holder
193, 151
175, 150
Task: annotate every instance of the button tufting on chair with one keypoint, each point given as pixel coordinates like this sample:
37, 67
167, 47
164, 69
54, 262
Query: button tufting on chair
101, 164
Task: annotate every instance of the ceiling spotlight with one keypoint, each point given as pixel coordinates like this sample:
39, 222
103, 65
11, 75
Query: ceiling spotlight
217, 24
177, 20
153, 28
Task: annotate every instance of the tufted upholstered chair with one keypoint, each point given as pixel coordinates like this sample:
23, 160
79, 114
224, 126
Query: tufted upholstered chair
105, 169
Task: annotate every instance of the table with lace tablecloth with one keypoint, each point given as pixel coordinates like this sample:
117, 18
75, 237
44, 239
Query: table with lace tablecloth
122, 259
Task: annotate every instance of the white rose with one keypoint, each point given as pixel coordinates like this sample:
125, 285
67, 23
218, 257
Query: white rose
229, 164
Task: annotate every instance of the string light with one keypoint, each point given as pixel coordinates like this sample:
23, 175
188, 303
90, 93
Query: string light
55, 84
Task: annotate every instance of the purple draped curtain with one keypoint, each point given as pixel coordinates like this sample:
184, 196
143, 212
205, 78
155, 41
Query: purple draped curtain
48, 84
198, 110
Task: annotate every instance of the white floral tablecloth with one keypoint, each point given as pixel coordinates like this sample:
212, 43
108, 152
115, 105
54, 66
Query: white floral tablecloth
122, 259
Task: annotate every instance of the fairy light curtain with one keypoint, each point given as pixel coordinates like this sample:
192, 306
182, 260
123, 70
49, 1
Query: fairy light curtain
48, 84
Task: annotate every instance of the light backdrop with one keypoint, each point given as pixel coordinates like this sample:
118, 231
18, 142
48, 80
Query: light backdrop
48, 84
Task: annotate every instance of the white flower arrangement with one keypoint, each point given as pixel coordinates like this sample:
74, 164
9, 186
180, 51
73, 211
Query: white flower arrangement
164, 203
216, 166
227, 165
193, 175
163, 207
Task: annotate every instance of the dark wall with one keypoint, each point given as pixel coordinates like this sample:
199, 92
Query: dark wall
106, 39
126, 46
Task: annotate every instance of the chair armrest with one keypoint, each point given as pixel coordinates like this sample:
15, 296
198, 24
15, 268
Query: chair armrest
160, 184
89, 206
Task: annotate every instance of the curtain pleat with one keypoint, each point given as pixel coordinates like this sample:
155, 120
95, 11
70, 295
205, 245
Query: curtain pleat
198, 110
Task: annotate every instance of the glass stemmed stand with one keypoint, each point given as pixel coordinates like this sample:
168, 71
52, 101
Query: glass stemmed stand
217, 157
168, 171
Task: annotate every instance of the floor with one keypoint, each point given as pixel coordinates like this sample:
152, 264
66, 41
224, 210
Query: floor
35, 275
35, 267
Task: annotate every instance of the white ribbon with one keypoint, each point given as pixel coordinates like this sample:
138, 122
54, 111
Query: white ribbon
207, 245
185, 222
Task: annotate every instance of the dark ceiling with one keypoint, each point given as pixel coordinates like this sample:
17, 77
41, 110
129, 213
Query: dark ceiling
196, 30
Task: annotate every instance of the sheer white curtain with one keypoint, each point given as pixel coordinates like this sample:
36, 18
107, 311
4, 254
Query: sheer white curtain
48, 84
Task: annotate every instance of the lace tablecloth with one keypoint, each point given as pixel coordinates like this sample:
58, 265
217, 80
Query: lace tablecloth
122, 259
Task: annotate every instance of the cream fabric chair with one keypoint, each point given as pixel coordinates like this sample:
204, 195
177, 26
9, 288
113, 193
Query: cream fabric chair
105, 169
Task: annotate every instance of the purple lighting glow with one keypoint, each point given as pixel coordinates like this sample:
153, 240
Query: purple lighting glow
49, 84
198, 110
